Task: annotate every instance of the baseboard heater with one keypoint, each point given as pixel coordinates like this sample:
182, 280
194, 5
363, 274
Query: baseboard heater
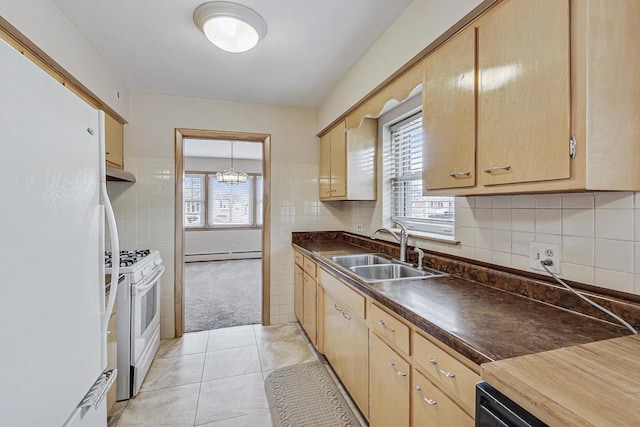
221, 256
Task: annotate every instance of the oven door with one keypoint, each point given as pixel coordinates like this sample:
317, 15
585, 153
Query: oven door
494, 409
145, 325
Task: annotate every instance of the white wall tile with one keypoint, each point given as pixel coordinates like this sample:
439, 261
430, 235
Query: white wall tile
501, 219
578, 201
614, 224
614, 255
483, 202
578, 250
614, 280
520, 243
501, 202
484, 217
501, 258
548, 221
548, 201
484, 238
523, 202
614, 200
578, 222
501, 241
523, 220
578, 273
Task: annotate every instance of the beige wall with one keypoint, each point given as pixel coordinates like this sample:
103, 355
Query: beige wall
419, 25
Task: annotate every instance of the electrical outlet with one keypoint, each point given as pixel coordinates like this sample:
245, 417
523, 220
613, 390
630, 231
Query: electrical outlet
542, 251
359, 227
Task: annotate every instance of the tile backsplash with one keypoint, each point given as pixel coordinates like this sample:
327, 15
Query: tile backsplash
598, 233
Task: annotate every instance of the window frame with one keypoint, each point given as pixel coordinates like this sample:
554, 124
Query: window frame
433, 228
254, 205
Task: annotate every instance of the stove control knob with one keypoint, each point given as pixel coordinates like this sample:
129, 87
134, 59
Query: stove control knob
158, 261
146, 271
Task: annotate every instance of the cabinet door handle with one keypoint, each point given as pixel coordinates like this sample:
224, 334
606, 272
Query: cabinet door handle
346, 316
384, 325
392, 365
418, 390
497, 168
445, 373
460, 174
107, 153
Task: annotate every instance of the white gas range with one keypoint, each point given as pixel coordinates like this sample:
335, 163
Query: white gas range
138, 316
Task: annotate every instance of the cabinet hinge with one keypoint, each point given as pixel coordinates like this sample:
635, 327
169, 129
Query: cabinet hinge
572, 147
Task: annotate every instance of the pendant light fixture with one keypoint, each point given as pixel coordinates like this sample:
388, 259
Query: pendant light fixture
230, 26
231, 176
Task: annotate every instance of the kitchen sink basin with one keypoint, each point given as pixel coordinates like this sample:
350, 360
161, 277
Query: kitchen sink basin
359, 260
386, 272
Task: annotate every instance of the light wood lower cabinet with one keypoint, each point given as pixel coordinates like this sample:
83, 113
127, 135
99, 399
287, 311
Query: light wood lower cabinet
346, 347
430, 407
298, 292
305, 295
390, 386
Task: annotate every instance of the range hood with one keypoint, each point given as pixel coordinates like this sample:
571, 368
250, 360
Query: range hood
119, 175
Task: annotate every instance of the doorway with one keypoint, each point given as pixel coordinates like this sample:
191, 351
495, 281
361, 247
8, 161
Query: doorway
222, 230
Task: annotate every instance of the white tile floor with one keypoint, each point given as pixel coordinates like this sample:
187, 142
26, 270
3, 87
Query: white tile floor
214, 378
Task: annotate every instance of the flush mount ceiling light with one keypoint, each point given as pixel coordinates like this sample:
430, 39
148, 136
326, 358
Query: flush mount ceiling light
231, 176
230, 26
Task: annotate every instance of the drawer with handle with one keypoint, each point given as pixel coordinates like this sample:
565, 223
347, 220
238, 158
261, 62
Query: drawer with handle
432, 408
310, 267
445, 371
391, 328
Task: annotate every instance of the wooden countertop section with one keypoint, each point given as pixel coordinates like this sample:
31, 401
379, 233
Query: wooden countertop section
595, 384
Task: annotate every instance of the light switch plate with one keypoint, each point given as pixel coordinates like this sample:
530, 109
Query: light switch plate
541, 251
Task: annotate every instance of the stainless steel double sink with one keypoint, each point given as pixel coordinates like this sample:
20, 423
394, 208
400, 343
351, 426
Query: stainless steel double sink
376, 268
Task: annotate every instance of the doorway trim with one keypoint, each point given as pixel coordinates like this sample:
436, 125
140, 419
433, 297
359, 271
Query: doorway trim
181, 134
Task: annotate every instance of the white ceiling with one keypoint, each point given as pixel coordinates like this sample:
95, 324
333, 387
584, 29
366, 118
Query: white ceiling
154, 46
222, 149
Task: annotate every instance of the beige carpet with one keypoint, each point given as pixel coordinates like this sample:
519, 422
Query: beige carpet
219, 294
305, 395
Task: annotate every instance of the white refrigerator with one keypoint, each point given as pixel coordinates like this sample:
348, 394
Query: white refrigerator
52, 293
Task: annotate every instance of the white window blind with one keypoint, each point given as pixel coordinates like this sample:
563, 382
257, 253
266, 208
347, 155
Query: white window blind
194, 200
230, 205
431, 214
259, 199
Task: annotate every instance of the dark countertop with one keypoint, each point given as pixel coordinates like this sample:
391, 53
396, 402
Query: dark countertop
482, 323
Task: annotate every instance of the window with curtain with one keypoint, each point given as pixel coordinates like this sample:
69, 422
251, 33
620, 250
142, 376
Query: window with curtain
403, 164
223, 205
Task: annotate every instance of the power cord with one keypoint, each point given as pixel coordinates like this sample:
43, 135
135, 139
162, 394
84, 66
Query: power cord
548, 262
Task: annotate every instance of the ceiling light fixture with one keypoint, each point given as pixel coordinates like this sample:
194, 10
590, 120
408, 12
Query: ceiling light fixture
231, 176
230, 26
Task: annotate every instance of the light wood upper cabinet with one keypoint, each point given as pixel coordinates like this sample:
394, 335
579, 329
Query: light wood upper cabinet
114, 142
449, 114
347, 169
546, 71
523, 92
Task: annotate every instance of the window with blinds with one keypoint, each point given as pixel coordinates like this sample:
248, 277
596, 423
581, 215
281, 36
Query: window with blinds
403, 164
230, 205
220, 204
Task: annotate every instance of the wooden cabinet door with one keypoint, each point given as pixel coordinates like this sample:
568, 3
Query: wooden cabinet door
309, 294
298, 301
389, 376
114, 142
339, 161
325, 166
332, 332
448, 114
523, 92
355, 362
430, 407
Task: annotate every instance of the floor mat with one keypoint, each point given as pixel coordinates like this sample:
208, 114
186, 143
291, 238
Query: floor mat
305, 395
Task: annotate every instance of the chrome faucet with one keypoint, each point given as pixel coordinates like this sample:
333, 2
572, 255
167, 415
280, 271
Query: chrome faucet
420, 253
402, 239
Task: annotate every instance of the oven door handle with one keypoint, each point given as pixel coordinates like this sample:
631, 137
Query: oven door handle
142, 288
